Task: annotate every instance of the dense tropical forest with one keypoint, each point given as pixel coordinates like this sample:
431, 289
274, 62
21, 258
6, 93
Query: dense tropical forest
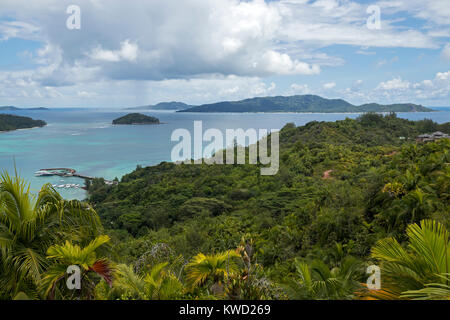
10, 122
349, 194
302, 103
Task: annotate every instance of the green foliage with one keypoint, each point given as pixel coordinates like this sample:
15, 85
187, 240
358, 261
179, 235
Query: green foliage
136, 118
30, 225
11, 122
67, 255
420, 270
303, 103
342, 187
377, 185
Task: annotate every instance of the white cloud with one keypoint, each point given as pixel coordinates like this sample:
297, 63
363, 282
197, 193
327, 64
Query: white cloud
299, 89
446, 52
329, 85
394, 84
128, 51
277, 63
216, 48
398, 90
17, 29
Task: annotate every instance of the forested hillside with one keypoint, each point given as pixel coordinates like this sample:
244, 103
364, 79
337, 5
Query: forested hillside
302, 103
11, 122
349, 194
342, 186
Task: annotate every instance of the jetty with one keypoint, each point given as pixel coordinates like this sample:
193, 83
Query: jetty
67, 172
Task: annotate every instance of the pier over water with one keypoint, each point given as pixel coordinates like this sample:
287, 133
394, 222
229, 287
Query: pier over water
66, 172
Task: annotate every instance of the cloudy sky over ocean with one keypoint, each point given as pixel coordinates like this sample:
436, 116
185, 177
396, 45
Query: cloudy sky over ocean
200, 51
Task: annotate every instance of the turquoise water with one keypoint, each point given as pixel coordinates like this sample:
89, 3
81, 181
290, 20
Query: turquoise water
85, 140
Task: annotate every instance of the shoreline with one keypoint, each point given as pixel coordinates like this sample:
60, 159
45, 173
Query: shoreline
12, 130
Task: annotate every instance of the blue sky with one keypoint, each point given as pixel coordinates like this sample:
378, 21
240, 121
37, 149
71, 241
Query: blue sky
201, 51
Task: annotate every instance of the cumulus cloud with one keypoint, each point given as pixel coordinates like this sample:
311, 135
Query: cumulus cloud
299, 89
208, 42
397, 89
245, 38
394, 84
329, 85
446, 52
128, 51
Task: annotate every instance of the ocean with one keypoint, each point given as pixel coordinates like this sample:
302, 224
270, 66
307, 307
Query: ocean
85, 140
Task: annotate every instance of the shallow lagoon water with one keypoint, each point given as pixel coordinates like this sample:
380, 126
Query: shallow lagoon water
85, 140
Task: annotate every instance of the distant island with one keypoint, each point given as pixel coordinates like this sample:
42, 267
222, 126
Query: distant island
136, 118
302, 103
12, 108
164, 106
10, 122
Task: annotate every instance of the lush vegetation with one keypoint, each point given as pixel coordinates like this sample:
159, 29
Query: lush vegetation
136, 118
303, 103
349, 194
11, 122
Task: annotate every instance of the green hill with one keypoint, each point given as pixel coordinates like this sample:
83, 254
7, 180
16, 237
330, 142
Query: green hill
12, 108
301, 103
11, 122
349, 182
8, 108
163, 106
136, 118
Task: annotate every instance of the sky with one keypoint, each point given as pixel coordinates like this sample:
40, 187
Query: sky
115, 53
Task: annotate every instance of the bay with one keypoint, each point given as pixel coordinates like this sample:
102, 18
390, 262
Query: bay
85, 140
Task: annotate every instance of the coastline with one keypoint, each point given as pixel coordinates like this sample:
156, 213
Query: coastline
13, 130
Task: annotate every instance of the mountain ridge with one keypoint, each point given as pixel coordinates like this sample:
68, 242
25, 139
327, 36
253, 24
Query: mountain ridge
173, 105
302, 104
12, 108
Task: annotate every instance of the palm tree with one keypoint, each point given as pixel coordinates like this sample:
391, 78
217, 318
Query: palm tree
318, 281
126, 285
159, 284
67, 255
211, 267
29, 225
413, 272
432, 291
162, 284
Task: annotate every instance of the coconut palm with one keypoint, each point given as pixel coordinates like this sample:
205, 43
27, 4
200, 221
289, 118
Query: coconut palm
419, 268
214, 267
126, 285
160, 284
432, 291
29, 225
318, 281
85, 258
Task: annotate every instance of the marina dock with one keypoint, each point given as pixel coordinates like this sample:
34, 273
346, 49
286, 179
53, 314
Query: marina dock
66, 172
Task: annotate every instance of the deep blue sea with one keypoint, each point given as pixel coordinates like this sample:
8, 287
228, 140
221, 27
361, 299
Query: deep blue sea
85, 140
